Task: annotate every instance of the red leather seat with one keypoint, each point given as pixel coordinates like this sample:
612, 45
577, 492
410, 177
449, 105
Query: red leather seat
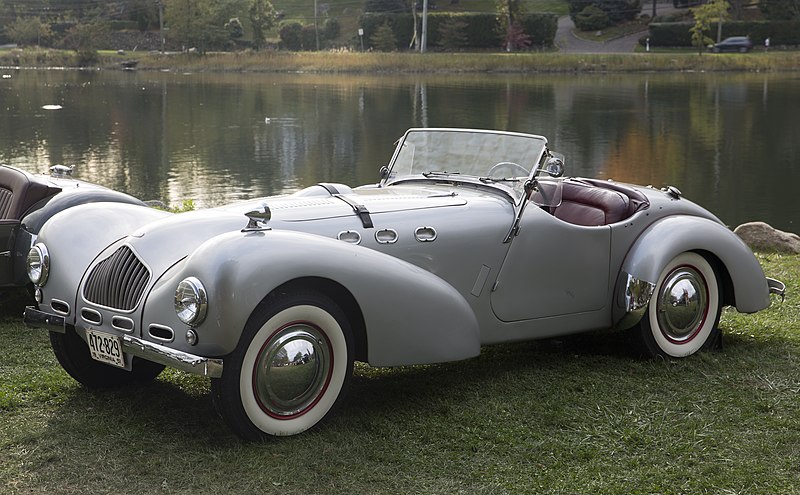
593, 203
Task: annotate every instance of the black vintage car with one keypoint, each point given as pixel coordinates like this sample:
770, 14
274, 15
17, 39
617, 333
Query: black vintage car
27, 201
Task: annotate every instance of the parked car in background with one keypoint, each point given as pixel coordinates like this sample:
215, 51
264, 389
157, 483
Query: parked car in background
470, 238
27, 201
740, 44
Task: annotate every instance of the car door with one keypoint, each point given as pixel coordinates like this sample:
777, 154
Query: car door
553, 268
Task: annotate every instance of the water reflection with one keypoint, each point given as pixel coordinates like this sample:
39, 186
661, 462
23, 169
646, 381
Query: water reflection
728, 141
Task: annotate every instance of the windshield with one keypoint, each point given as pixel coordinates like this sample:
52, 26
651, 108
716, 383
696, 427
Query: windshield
500, 159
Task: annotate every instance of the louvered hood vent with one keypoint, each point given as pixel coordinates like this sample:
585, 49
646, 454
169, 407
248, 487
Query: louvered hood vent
118, 281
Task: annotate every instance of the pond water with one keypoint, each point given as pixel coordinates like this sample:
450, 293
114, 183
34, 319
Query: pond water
730, 142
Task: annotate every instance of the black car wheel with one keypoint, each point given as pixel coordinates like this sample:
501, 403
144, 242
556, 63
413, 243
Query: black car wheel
290, 370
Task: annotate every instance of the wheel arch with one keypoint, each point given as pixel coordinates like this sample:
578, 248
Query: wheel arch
742, 280
341, 296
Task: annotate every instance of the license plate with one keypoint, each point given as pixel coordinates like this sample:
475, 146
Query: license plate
105, 348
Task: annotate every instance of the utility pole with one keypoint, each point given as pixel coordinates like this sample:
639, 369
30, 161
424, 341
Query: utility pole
424, 41
316, 30
160, 5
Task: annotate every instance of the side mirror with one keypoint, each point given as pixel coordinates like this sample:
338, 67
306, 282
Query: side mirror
554, 167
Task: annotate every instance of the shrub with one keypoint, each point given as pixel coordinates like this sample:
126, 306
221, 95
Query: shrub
291, 35
591, 18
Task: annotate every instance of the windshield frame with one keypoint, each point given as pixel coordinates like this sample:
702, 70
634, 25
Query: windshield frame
467, 156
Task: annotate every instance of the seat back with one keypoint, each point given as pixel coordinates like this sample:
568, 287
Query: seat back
590, 204
19, 191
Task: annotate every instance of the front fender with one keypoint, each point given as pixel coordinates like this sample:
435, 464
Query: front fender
669, 237
66, 235
411, 315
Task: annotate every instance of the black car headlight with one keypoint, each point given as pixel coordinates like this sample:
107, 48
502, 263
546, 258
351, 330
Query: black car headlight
191, 302
38, 264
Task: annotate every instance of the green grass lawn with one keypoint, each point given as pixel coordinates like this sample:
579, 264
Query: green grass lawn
578, 415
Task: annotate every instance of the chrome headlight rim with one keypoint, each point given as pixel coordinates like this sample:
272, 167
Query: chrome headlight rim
37, 264
191, 301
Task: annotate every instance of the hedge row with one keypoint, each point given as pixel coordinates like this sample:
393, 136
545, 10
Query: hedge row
677, 33
481, 29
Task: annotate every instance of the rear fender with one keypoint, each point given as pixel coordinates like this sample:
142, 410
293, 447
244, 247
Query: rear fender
671, 236
411, 316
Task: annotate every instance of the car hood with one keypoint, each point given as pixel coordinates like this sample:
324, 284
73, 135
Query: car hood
318, 203
162, 243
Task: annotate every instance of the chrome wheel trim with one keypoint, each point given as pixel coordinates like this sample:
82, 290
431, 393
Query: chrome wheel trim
688, 341
292, 370
682, 304
315, 411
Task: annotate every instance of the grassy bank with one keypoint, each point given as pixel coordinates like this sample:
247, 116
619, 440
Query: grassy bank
376, 62
572, 416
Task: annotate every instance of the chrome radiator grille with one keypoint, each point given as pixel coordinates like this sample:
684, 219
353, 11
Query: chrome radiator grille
118, 281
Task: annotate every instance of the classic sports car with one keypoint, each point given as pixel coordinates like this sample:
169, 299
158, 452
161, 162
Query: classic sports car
470, 238
27, 201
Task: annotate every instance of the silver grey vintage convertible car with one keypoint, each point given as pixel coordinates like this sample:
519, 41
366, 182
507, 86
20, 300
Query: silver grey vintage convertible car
470, 238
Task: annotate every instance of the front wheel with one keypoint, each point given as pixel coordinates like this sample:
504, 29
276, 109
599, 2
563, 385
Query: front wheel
290, 369
684, 311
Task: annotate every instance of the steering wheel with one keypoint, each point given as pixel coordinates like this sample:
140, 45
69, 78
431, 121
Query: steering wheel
510, 165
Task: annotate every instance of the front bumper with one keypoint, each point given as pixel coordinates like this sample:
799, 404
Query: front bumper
156, 353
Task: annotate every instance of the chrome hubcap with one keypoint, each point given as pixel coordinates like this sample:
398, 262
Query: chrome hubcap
292, 370
682, 304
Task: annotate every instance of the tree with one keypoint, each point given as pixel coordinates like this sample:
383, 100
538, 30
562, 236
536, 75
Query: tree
780, 10
262, 18
201, 23
508, 12
291, 34
84, 38
452, 35
383, 38
28, 31
516, 38
703, 16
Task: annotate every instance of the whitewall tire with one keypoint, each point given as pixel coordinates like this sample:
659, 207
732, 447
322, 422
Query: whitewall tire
684, 310
290, 369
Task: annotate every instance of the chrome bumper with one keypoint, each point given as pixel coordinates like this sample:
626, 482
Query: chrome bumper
156, 353
777, 287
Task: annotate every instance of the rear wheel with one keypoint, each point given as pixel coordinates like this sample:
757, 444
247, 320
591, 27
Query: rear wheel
684, 311
290, 369
73, 355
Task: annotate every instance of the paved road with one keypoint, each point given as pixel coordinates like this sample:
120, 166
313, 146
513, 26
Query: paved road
567, 42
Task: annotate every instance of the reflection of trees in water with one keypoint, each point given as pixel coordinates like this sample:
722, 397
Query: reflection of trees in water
220, 137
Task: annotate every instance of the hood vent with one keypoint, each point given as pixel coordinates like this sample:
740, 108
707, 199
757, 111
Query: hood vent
117, 282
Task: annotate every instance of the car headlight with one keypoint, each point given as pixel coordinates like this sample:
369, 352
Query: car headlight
38, 264
191, 301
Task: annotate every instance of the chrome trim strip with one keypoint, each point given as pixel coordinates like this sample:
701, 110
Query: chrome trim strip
34, 318
183, 361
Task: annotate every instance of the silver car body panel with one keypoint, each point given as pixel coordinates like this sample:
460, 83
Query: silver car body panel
424, 259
